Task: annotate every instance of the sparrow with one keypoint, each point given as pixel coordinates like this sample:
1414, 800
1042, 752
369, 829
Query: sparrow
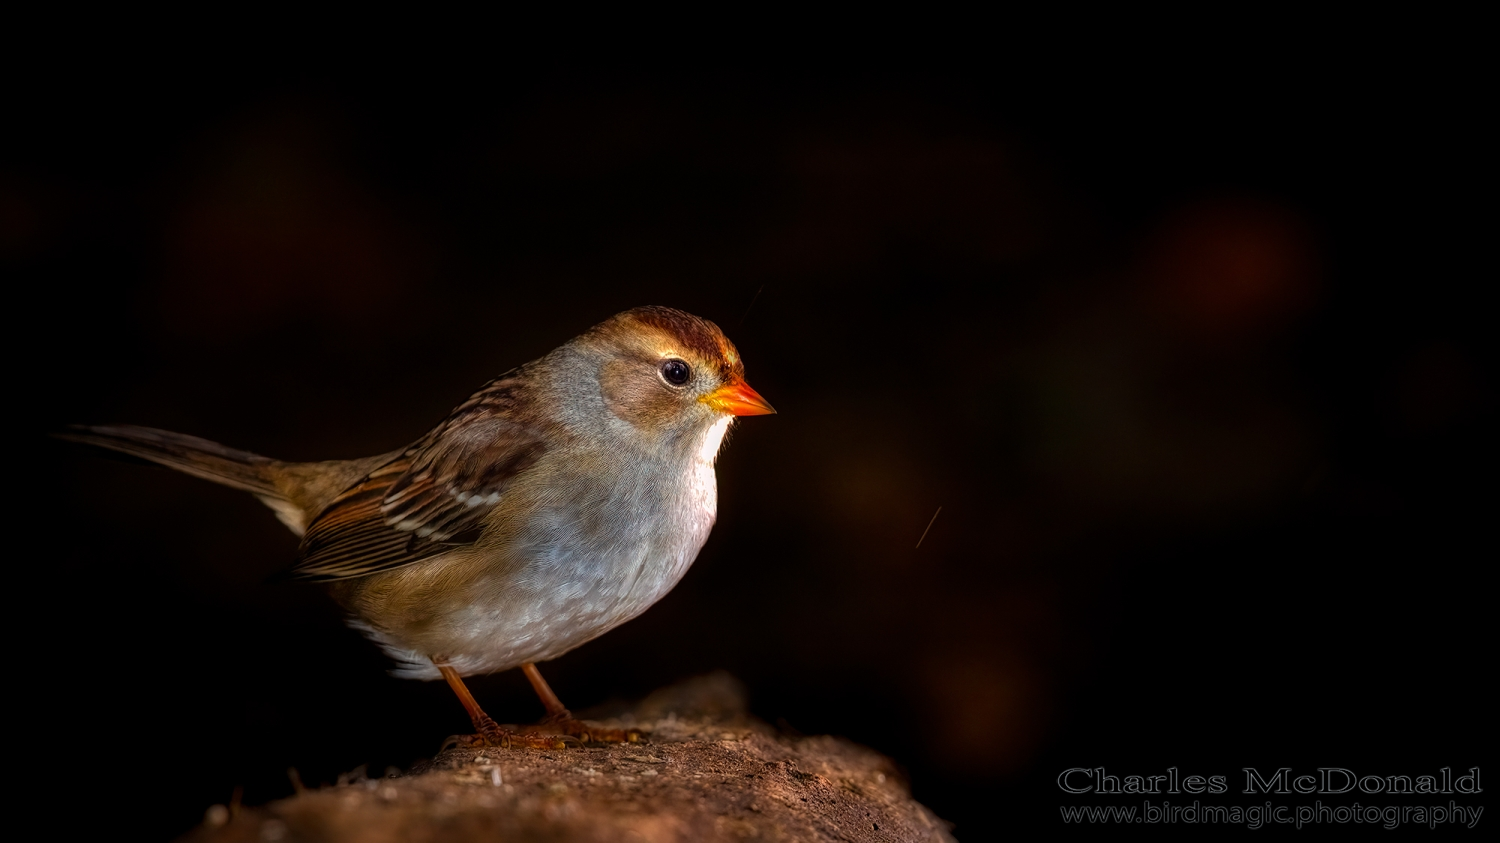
562, 499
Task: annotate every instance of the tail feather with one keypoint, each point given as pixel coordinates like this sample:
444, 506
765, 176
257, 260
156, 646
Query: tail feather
188, 454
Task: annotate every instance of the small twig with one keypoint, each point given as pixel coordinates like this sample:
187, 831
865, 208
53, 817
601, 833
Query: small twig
296, 777
753, 300
929, 527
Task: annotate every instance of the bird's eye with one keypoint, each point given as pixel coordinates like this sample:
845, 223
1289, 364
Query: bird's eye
676, 372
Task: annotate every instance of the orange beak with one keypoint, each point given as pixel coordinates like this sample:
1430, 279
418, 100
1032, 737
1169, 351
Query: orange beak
737, 399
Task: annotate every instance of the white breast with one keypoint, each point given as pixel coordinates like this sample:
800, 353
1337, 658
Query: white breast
700, 505
575, 592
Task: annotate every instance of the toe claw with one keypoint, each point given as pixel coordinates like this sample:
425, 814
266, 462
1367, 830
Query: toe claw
587, 734
470, 742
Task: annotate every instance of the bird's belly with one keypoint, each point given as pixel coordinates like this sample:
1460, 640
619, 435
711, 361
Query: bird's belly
573, 575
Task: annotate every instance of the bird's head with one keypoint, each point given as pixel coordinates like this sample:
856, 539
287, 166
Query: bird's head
670, 373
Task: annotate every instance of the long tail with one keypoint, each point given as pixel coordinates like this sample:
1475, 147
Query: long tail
297, 492
188, 454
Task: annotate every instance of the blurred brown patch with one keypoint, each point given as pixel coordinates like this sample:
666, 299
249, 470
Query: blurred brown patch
19, 222
864, 194
1435, 386
272, 229
982, 710
1227, 271
1127, 422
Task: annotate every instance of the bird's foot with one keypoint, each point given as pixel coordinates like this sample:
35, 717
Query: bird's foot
510, 740
565, 723
491, 734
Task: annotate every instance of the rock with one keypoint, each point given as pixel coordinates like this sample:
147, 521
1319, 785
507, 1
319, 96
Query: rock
709, 773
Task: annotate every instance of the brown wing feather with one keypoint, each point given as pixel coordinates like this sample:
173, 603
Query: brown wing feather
435, 495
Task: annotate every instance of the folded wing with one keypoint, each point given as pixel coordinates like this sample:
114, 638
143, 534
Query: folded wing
431, 498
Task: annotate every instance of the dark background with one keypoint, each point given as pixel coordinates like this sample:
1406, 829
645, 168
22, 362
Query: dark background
1189, 359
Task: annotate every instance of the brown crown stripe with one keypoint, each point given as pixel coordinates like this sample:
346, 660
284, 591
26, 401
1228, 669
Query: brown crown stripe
700, 335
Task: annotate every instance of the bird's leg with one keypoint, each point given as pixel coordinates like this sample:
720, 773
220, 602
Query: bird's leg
554, 706
488, 731
559, 718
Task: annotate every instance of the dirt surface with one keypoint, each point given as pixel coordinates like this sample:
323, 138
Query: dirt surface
709, 773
